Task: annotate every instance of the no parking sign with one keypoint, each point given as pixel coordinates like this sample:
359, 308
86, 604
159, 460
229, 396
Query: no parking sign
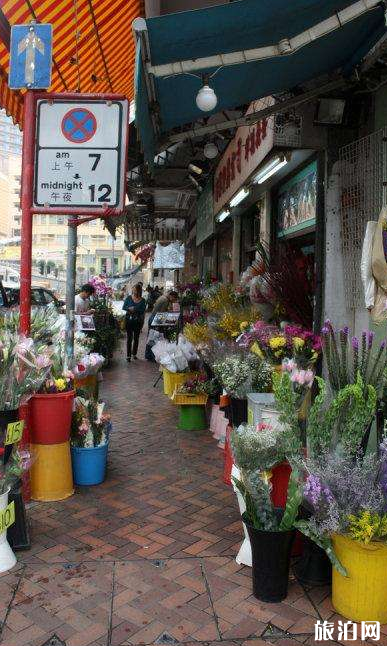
80, 154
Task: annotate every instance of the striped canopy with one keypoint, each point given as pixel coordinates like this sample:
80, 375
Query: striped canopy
93, 47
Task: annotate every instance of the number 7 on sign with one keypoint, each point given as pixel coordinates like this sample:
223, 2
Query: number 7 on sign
96, 160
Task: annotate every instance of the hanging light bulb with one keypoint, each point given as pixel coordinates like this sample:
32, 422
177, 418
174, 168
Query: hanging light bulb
206, 98
210, 150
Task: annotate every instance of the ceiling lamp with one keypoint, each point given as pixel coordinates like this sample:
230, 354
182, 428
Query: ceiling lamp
206, 98
241, 195
210, 150
223, 215
270, 169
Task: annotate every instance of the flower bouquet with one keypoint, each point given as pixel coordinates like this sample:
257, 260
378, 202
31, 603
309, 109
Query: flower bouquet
90, 430
241, 373
90, 425
24, 365
193, 391
270, 529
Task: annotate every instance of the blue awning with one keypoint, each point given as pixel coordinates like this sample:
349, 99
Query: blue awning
241, 25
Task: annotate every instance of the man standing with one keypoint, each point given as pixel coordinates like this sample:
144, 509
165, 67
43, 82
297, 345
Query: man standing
82, 300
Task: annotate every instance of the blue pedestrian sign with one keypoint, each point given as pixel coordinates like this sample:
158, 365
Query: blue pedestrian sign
30, 56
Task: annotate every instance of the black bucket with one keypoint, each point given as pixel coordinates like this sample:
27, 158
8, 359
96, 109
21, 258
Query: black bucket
314, 567
238, 411
6, 417
18, 534
271, 562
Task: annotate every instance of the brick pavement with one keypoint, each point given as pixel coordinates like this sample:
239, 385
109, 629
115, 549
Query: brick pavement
148, 557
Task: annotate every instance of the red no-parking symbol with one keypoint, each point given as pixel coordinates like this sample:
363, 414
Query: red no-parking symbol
79, 125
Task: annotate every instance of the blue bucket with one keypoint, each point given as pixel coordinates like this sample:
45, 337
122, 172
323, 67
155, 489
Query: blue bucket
89, 464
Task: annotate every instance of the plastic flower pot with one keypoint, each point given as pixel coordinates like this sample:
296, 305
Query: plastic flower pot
314, 567
51, 473
238, 411
7, 557
244, 555
51, 417
17, 534
89, 464
362, 595
192, 418
271, 562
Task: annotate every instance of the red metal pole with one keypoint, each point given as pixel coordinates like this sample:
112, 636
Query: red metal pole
28, 161
27, 181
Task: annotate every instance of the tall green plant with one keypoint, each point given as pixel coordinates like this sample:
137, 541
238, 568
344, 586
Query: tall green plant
286, 402
343, 420
347, 356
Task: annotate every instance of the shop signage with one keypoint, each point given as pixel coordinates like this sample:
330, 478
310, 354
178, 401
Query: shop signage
7, 517
297, 202
245, 152
14, 432
205, 215
80, 154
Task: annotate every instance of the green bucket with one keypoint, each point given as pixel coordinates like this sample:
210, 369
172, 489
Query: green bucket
192, 418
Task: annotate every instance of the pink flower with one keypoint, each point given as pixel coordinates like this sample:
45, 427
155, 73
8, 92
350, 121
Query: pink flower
24, 345
42, 361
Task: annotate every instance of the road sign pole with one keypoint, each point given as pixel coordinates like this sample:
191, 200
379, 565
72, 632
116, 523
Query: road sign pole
26, 205
70, 289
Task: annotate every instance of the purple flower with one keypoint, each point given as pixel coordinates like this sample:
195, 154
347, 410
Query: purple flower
383, 344
371, 336
325, 330
316, 492
345, 330
355, 342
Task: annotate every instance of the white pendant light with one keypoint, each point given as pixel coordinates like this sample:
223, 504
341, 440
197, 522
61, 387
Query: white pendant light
206, 98
210, 150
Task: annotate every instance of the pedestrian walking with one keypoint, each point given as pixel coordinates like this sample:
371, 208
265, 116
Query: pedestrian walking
134, 307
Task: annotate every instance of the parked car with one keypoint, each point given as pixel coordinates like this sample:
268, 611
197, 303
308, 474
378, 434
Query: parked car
40, 297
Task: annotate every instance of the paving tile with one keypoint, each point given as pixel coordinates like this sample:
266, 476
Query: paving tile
162, 530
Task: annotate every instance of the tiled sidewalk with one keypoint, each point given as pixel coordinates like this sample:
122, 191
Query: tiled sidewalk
149, 556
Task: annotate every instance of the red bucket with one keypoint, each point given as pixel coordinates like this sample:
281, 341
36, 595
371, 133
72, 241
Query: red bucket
279, 494
51, 417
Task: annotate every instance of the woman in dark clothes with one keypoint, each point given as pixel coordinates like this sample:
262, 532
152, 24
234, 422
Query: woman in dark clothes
134, 307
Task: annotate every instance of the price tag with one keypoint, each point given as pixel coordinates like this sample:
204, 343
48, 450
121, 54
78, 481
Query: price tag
7, 517
14, 432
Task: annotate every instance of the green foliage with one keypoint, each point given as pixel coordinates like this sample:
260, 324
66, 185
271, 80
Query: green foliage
367, 526
286, 403
344, 420
293, 502
322, 541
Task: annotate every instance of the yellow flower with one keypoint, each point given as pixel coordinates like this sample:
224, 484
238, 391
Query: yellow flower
244, 325
298, 343
278, 354
256, 350
277, 342
60, 384
314, 355
266, 476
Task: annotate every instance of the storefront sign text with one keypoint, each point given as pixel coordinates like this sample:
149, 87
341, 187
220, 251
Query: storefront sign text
249, 147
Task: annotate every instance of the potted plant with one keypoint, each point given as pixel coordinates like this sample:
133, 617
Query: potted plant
10, 474
192, 397
23, 367
271, 529
347, 501
51, 407
90, 430
240, 373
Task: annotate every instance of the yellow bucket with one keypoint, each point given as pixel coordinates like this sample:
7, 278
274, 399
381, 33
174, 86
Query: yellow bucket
362, 595
51, 472
174, 379
89, 383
